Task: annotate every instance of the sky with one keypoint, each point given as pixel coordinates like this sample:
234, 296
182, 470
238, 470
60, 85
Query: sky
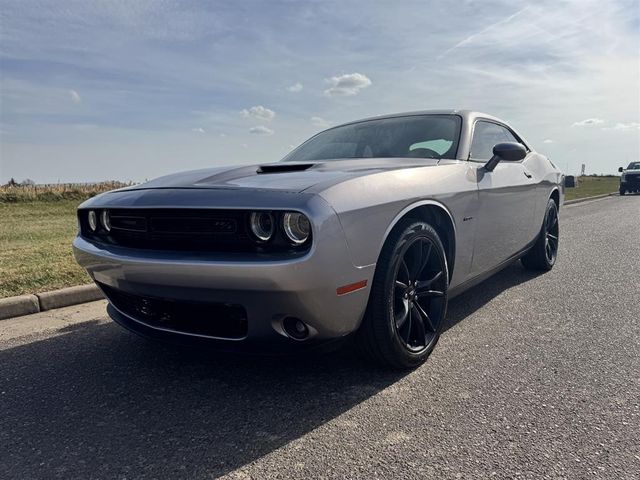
131, 90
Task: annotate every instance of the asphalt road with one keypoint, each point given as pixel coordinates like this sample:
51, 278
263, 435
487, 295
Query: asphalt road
537, 376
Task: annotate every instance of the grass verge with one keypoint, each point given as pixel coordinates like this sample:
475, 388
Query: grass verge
592, 186
35, 247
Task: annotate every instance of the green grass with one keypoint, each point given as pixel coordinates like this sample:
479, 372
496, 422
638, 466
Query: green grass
591, 186
35, 247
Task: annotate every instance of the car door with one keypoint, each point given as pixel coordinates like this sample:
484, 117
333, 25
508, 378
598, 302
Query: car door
506, 199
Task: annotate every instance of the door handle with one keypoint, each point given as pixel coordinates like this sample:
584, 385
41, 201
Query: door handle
528, 175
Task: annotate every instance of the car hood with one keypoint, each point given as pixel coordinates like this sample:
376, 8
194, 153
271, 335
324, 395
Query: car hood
285, 176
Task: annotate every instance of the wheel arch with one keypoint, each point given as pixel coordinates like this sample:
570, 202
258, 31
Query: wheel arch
439, 217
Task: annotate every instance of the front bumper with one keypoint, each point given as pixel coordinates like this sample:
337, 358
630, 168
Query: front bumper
631, 184
269, 289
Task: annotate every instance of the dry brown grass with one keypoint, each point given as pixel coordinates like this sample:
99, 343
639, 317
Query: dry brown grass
55, 192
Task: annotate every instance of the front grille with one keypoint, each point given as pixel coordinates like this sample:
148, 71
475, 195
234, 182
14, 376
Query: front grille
632, 178
219, 320
184, 229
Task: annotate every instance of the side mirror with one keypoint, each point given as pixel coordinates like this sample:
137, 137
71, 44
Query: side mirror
620, 169
508, 151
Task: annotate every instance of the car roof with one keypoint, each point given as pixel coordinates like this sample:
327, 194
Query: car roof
467, 115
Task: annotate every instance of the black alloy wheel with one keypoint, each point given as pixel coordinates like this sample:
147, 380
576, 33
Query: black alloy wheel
408, 298
552, 231
544, 252
419, 294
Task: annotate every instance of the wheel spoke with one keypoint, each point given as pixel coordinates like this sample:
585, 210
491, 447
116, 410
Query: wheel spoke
400, 284
408, 322
426, 320
405, 270
427, 283
430, 293
419, 323
400, 321
551, 220
553, 237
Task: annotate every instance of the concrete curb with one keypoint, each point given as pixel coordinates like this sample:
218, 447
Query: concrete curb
586, 199
18, 306
40, 302
69, 296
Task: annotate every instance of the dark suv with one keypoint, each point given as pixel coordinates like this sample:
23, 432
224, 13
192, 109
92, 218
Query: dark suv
630, 179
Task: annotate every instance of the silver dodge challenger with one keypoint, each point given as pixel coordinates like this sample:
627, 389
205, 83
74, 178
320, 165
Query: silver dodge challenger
364, 231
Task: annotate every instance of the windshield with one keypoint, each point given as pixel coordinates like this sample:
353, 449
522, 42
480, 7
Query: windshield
416, 136
634, 166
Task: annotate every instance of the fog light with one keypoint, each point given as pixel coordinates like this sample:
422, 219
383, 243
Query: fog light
262, 225
93, 220
106, 221
296, 227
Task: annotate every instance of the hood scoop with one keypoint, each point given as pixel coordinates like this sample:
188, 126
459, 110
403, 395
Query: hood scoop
283, 167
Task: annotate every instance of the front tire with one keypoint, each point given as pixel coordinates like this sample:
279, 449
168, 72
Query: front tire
544, 252
408, 301
622, 191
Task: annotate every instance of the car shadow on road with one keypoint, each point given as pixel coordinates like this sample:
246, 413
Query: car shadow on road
96, 401
475, 298
99, 402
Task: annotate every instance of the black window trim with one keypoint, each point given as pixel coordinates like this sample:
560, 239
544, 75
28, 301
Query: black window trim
500, 124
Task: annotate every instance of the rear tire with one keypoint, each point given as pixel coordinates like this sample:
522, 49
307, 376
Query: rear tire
544, 252
408, 299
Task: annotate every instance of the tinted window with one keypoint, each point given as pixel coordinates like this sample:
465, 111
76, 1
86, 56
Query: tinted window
634, 166
485, 136
418, 136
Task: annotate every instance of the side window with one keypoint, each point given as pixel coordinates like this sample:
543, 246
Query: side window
485, 136
509, 136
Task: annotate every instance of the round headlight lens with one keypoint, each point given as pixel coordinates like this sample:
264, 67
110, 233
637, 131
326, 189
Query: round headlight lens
106, 221
296, 227
93, 220
262, 225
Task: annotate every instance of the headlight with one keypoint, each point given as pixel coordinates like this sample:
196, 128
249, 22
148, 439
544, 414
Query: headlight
297, 227
93, 220
106, 221
623, 177
262, 225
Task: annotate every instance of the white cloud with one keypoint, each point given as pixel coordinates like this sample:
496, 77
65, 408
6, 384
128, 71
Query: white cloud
346, 85
260, 130
588, 121
223, 135
198, 130
259, 112
624, 126
75, 96
548, 140
320, 122
295, 88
